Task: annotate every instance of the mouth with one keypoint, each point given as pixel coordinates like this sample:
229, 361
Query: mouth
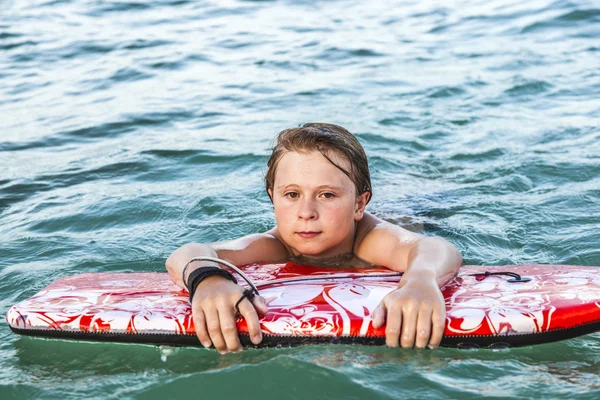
308, 234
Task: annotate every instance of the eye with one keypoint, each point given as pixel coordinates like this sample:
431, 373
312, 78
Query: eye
328, 195
291, 195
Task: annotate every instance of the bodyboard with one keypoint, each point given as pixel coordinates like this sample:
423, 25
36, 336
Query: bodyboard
485, 306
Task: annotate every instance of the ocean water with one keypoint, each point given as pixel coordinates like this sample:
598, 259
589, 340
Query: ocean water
129, 128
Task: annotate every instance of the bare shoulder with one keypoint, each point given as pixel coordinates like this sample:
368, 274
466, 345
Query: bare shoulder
370, 227
256, 248
376, 239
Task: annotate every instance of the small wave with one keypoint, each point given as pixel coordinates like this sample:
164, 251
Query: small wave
178, 64
174, 154
397, 121
520, 64
486, 155
54, 3
531, 87
393, 143
118, 6
166, 65
365, 53
83, 48
77, 176
307, 29
139, 44
445, 92
129, 124
289, 65
388, 82
200, 155
462, 122
324, 92
27, 87
9, 35
129, 75
18, 146
572, 19
18, 192
16, 45
336, 53
581, 15
235, 44
110, 213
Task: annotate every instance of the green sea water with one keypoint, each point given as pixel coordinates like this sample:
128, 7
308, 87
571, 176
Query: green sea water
129, 128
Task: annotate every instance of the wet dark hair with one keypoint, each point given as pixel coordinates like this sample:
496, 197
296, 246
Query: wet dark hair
324, 138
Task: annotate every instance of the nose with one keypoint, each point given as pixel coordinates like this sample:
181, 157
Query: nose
307, 209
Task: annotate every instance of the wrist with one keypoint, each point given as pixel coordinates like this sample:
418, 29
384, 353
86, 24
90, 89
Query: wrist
419, 275
192, 265
213, 280
201, 274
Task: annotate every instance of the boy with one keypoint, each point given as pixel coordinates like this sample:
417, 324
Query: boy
319, 183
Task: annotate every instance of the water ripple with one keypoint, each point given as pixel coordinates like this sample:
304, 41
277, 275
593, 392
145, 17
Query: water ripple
570, 20
528, 88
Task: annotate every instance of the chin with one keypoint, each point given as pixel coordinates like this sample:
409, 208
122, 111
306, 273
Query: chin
310, 250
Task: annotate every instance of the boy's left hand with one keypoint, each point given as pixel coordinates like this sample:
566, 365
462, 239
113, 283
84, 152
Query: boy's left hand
415, 314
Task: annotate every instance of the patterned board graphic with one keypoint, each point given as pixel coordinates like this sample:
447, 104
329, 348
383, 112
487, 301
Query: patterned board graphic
320, 305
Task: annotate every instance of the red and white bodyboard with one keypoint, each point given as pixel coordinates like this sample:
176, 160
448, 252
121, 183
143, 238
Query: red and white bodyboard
321, 305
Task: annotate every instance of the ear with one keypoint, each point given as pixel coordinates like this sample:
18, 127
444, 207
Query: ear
270, 193
359, 206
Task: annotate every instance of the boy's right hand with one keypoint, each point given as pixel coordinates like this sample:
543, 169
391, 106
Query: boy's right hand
213, 311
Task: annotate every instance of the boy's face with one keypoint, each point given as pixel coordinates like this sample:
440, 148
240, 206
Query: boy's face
316, 204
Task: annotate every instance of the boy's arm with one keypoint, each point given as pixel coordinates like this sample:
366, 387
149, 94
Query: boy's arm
257, 248
401, 250
213, 305
415, 312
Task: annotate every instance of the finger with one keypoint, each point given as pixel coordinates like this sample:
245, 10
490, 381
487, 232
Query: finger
249, 313
259, 303
393, 326
409, 326
423, 328
378, 315
229, 328
214, 330
438, 322
200, 326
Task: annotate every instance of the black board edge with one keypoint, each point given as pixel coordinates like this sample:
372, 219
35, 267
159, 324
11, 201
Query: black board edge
466, 342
